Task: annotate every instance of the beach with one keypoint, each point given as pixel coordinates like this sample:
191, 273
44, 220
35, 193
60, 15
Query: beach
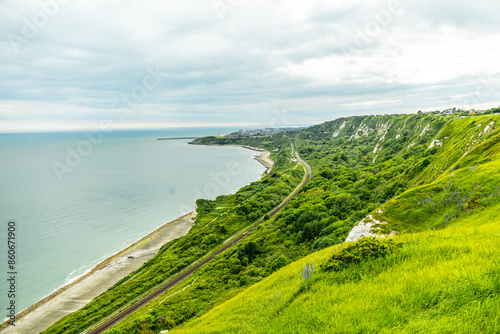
77, 294
263, 158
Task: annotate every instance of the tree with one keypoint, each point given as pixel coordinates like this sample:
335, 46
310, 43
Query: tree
250, 250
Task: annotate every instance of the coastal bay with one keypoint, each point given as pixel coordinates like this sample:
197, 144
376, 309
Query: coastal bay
83, 289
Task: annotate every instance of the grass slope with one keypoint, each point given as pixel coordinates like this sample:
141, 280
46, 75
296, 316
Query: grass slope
445, 278
472, 184
426, 171
440, 281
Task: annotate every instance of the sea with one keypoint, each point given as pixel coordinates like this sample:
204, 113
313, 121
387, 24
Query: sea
76, 198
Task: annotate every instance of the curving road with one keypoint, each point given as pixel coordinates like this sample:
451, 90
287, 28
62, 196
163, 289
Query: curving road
114, 320
308, 168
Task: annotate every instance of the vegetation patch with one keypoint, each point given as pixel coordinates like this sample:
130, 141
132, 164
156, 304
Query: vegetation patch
363, 249
359, 164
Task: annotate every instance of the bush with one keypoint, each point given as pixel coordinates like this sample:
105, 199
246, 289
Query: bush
363, 249
278, 263
234, 266
244, 280
210, 239
250, 250
114, 331
323, 243
312, 230
166, 322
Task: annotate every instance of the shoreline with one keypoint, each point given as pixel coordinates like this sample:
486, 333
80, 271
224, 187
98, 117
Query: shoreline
46, 312
105, 274
263, 157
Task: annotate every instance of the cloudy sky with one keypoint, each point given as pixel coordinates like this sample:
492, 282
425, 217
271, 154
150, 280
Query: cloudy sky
227, 62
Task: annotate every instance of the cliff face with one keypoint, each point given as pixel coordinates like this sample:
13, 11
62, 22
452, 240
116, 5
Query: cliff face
450, 184
447, 137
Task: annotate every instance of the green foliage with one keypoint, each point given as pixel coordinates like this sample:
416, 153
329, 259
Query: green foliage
323, 242
359, 164
216, 221
278, 263
363, 249
443, 281
114, 331
249, 250
244, 280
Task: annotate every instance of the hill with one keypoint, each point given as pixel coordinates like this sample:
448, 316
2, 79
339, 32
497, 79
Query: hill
420, 173
441, 278
442, 281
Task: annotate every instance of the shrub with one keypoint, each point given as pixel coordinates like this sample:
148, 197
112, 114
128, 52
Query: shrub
250, 250
323, 243
278, 263
363, 249
210, 239
114, 331
244, 280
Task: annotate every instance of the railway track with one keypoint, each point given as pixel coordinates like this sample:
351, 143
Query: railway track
114, 320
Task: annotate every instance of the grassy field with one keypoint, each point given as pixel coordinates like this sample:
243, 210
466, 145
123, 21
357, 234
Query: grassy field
444, 277
439, 281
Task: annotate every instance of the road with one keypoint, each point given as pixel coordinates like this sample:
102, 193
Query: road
155, 294
308, 168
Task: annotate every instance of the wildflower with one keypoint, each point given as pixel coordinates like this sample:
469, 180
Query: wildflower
307, 273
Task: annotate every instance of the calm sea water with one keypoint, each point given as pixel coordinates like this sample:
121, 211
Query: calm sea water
76, 202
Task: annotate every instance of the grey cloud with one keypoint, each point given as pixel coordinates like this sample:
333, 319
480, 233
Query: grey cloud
93, 53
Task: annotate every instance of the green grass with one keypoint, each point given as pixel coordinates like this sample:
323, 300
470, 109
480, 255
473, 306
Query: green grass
443, 276
440, 281
460, 138
452, 195
359, 164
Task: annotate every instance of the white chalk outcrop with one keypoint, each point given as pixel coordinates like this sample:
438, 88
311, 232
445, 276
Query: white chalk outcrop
365, 228
337, 132
435, 142
427, 128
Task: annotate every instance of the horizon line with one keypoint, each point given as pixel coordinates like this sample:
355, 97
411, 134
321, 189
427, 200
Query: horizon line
34, 126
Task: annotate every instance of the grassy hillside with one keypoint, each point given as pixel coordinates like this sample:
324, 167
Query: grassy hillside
472, 183
444, 280
426, 172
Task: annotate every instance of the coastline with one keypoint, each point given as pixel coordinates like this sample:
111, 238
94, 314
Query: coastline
78, 293
263, 157
82, 290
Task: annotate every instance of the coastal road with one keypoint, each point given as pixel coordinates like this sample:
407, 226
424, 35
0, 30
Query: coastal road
115, 319
308, 168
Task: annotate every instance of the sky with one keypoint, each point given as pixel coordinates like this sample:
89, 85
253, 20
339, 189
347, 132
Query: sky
68, 63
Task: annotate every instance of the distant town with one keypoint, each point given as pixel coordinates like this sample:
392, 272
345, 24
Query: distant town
452, 111
260, 132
